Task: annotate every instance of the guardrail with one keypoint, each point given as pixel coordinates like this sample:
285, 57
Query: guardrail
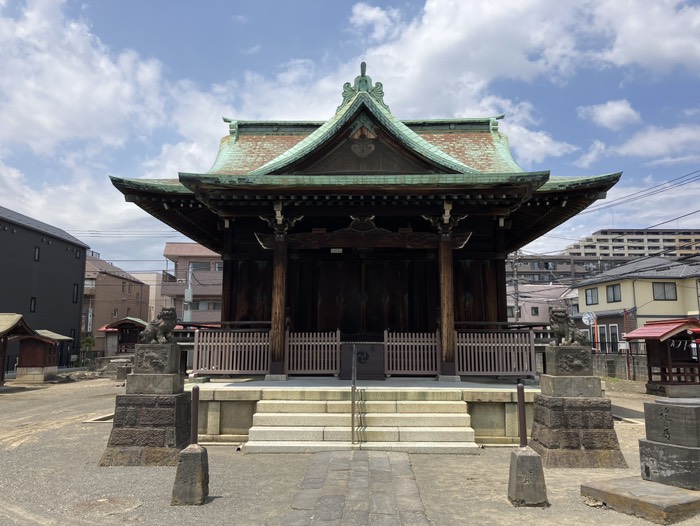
411, 353
313, 352
495, 353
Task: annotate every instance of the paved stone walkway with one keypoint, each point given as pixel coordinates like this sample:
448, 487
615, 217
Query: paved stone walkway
358, 488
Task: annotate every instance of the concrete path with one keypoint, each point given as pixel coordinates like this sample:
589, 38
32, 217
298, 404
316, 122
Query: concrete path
49, 476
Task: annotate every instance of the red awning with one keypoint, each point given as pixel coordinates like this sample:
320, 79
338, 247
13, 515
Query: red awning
662, 330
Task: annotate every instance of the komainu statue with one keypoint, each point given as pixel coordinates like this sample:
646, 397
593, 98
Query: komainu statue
158, 330
565, 332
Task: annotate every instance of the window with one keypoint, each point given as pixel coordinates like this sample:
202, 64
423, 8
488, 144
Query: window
535, 311
123, 287
219, 266
592, 296
129, 289
76, 289
614, 293
665, 291
36, 253
32, 304
511, 312
115, 313
128, 312
90, 283
200, 265
574, 308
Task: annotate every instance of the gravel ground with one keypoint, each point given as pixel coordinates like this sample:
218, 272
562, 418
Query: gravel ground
49, 474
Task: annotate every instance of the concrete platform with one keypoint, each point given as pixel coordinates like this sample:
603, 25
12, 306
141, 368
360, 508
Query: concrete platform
652, 501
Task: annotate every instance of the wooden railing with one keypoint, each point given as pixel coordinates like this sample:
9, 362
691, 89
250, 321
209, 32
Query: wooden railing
411, 353
313, 352
495, 353
231, 352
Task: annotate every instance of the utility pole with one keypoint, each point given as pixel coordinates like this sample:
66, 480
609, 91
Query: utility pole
514, 261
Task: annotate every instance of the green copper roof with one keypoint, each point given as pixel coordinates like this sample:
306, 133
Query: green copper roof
568, 183
394, 180
167, 186
364, 96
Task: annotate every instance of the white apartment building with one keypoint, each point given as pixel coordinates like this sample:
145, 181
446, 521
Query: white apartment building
637, 243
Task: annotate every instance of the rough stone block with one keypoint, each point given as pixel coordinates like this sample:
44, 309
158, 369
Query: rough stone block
569, 361
599, 439
641, 498
141, 383
154, 358
192, 477
673, 421
670, 464
570, 386
133, 437
526, 484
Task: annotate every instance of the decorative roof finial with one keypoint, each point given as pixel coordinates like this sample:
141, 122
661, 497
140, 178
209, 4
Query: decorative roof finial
363, 82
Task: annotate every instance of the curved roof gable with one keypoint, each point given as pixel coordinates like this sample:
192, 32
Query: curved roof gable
363, 102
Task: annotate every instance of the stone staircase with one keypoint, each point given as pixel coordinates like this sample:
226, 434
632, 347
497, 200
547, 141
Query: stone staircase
411, 420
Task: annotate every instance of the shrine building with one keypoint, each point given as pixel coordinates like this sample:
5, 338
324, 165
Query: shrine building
366, 226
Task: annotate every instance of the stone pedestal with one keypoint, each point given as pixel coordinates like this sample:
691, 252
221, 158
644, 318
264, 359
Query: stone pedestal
670, 454
152, 421
573, 424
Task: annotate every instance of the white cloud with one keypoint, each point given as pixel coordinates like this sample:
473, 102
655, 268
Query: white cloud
60, 83
655, 141
595, 152
655, 34
614, 114
383, 24
532, 147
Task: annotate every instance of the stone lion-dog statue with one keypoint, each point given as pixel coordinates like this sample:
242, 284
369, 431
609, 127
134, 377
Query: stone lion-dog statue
158, 330
565, 332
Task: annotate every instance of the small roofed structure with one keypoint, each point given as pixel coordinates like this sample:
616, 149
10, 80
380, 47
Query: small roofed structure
672, 356
38, 356
12, 326
123, 335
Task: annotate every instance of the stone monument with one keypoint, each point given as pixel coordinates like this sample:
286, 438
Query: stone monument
573, 422
668, 490
152, 420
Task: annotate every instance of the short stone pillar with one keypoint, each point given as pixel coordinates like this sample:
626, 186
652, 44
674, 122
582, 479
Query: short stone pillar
152, 420
526, 485
573, 423
670, 453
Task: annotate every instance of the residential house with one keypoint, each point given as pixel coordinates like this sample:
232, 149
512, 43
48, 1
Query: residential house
156, 299
535, 301
41, 277
110, 294
646, 289
195, 284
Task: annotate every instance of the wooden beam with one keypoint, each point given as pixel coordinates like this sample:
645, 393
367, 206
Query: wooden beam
229, 271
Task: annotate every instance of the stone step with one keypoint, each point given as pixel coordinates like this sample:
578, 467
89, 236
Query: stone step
363, 434
364, 394
344, 406
310, 446
366, 419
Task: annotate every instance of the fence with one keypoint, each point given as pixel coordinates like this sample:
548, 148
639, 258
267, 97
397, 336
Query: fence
231, 352
495, 353
411, 353
313, 352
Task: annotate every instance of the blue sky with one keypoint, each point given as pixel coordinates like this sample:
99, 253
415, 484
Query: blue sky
138, 88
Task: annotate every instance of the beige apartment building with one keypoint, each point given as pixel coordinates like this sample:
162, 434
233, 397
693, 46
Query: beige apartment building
637, 243
194, 284
110, 294
646, 289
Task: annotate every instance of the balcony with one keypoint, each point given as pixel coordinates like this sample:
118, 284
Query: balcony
204, 283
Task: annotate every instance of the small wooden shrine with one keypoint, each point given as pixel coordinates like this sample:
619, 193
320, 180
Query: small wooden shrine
365, 224
672, 356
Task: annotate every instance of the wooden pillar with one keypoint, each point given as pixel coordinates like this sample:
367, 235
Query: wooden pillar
228, 275
447, 316
279, 293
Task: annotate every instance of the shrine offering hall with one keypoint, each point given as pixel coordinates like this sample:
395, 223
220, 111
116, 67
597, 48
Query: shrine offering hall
365, 229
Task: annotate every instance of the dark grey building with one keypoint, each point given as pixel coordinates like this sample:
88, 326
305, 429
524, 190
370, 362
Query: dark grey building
42, 273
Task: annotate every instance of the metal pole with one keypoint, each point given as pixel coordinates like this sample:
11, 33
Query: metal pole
522, 428
352, 390
194, 418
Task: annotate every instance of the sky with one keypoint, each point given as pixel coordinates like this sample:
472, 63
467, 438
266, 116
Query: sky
138, 89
